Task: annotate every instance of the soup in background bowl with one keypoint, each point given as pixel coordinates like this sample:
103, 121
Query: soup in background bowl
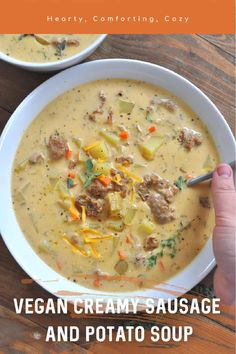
99, 180
45, 52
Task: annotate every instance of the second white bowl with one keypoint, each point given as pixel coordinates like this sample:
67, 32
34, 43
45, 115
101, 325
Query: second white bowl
56, 65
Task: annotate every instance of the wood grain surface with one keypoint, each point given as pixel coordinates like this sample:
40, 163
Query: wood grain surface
206, 60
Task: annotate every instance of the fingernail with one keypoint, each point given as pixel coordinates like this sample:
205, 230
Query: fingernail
224, 171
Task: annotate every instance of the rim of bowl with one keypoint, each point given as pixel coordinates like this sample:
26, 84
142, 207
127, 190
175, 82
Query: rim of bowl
185, 279
28, 64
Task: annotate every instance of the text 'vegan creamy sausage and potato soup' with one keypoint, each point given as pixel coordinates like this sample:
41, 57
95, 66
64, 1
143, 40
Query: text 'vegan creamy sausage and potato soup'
99, 185
43, 48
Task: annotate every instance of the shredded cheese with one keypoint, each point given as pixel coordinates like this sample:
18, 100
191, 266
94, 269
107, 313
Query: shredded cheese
97, 236
74, 212
116, 179
88, 239
75, 248
129, 174
83, 216
91, 146
91, 231
132, 193
95, 251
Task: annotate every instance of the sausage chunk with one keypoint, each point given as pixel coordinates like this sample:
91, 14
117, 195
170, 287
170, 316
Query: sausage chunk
168, 104
151, 243
189, 138
160, 208
93, 207
169, 193
69, 41
57, 146
205, 202
73, 41
58, 40
158, 193
98, 190
99, 109
102, 96
125, 160
72, 164
122, 187
158, 184
36, 158
93, 115
140, 260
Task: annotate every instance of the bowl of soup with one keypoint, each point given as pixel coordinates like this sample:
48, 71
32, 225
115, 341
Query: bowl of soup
47, 52
94, 199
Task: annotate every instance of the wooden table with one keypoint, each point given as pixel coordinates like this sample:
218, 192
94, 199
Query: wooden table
206, 60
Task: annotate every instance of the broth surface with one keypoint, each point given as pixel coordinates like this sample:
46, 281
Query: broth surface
116, 132
42, 48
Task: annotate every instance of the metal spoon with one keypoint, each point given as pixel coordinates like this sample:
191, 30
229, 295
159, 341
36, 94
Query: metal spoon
191, 182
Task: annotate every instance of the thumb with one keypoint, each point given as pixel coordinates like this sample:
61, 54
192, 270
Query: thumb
224, 195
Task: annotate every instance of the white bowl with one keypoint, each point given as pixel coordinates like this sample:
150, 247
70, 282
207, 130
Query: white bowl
56, 65
28, 110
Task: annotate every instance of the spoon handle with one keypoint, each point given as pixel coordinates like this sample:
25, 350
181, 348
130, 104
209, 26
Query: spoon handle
205, 177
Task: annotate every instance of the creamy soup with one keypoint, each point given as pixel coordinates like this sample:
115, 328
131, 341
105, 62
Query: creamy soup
40, 48
99, 185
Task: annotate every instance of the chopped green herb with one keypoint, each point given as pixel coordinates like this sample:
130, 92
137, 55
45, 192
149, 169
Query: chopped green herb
90, 179
152, 261
170, 243
149, 117
89, 174
161, 253
70, 183
60, 47
180, 182
89, 165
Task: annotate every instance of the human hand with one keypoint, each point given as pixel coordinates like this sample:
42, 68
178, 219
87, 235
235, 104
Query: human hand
224, 199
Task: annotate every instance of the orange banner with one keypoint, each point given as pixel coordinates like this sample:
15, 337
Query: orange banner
117, 16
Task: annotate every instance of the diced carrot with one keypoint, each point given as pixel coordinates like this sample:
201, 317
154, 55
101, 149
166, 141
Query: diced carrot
110, 118
124, 135
68, 154
161, 266
187, 177
104, 180
74, 217
96, 283
152, 129
128, 239
122, 255
71, 174
59, 265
